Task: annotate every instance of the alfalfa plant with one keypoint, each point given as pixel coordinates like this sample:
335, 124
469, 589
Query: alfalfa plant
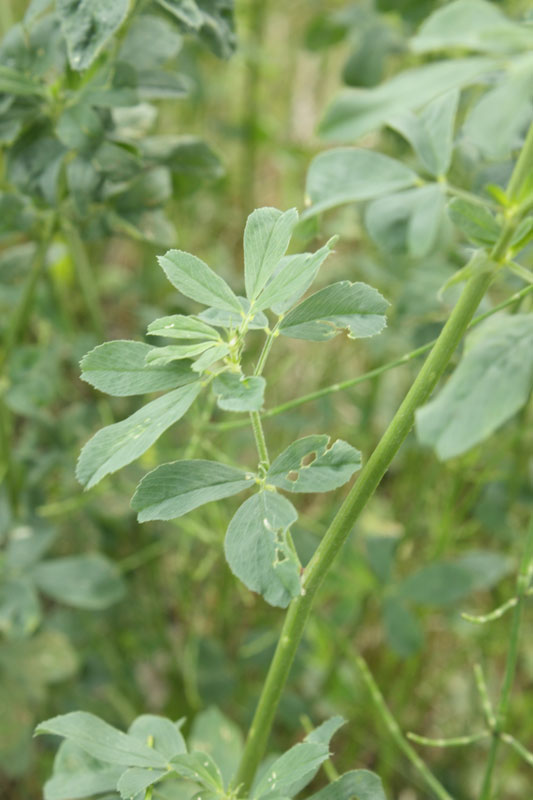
208, 355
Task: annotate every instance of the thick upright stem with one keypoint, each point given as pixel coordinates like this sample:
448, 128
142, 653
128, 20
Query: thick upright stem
342, 524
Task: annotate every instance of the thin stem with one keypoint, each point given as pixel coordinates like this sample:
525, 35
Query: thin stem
84, 271
456, 741
522, 171
522, 585
518, 747
492, 615
472, 198
269, 341
486, 705
394, 730
260, 443
373, 373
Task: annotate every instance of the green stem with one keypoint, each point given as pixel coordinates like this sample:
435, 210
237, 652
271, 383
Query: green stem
87, 283
373, 373
522, 170
394, 729
269, 341
346, 517
522, 584
260, 442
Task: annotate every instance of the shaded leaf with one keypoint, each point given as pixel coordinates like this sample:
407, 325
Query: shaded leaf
200, 768
258, 551
78, 775
117, 445
331, 465
215, 734
239, 393
174, 489
402, 629
475, 221
86, 581
354, 307
88, 25
359, 783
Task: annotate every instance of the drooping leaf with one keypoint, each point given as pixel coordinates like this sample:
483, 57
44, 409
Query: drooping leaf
492, 382
351, 174
239, 393
199, 768
359, 783
258, 551
299, 763
102, 741
232, 320
84, 581
135, 781
311, 464
88, 25
354, 307
475, 221
266, 237
119, 368
121, 443
355, 112
178, 326
215, 734
470, 24
193, 278
171, 490
430, 132
294, 276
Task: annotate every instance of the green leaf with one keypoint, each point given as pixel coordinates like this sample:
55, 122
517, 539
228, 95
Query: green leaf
231, 320
211, 20
77, 775
475, 221
179, 326
486, 569
492, 382
80, 127
85, 581
193, 278
354, 307
296, 767
20, 610
136, 780
117, 445
355, 112
161, 356
440, 584
359, 783
119, 368
159, 732
174, 489
258, 551
88, 25
215, 734
266, 237
16, 83
407, 222
200, 768
210, 357
238, 392
294, 276
430, 133
402, 630
311, 464
470, 24
102, 741
352, 174
27, 545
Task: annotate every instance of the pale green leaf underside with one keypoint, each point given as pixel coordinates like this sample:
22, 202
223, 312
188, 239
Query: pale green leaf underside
88, 25
354, 307
492, 382
210, 357
161, 356
332, 466
352, 174
179, 326
355, 112
119, 368
359, 783
171, 490
239, 393
135, 780
257, 550
102, 741
193, 278
200, 768
121, 443
231, 319
165, 734
266, 237
82, 784
298, 764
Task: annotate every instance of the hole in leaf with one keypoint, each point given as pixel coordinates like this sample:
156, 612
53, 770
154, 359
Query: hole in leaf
308, 459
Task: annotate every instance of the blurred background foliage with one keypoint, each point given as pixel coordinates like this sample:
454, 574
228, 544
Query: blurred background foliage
99, 613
